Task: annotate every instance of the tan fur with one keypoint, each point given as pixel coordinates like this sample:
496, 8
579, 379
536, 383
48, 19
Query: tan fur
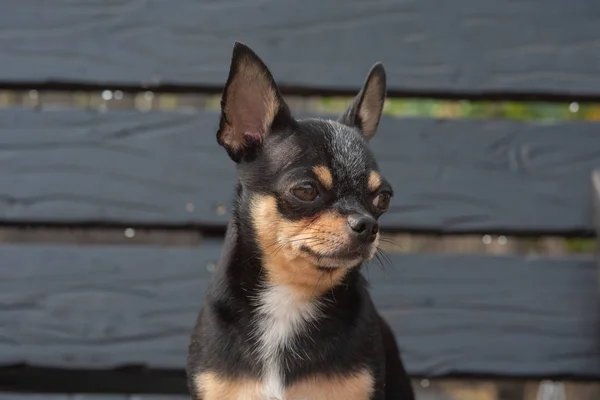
280, 241
358, 386
213, 387
374, 181
371, 107
324, 176
251, 105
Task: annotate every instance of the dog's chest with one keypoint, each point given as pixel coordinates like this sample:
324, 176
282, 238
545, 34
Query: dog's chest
281, 317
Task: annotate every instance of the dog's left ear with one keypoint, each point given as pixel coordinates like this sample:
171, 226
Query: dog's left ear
250, 106
365, 111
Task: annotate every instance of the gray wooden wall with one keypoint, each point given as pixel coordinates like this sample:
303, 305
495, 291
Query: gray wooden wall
466, 48
112, 211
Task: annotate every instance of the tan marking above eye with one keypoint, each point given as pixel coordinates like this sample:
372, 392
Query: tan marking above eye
374, 181
324, 176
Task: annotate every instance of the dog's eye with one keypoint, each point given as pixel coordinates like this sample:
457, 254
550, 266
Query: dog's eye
382, 201
305, 192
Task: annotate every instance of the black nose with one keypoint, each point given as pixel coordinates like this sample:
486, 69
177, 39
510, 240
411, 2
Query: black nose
363, 227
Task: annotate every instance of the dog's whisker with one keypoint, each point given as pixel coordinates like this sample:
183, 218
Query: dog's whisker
392, 242
383, 259
331, 288
316, 287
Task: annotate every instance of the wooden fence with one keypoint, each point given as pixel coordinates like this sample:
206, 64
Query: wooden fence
85, 311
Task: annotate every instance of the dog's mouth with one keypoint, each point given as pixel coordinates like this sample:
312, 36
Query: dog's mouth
338, 259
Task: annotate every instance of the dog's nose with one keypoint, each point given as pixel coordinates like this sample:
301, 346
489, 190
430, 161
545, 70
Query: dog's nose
363, 227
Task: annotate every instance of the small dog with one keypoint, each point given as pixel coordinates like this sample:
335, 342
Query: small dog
288, 315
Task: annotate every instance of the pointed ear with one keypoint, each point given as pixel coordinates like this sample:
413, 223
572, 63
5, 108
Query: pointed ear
250, 105
365, 111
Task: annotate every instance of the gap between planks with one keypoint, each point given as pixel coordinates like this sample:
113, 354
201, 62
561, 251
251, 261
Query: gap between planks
306, 91
390, 243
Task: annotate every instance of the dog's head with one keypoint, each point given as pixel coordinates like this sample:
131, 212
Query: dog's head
312, 189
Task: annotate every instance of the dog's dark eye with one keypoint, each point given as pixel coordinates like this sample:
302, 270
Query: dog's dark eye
305, 192
382, 201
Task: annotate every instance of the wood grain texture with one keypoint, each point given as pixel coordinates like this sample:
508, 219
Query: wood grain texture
104, 307
142, 381
157, 168
475, 46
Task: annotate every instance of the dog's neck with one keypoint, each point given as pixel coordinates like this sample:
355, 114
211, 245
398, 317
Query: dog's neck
273, 321
242, 274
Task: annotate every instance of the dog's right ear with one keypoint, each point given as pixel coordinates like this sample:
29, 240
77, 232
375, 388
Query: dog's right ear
250, 105
365, 111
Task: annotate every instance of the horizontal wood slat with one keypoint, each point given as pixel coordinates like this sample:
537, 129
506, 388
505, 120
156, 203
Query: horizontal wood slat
104, 307
147, 382
450, 176
476, 47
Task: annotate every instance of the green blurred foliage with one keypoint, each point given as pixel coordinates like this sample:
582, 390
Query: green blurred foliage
581, 245
512, 110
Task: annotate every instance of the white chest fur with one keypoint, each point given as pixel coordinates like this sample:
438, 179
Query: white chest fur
281, 316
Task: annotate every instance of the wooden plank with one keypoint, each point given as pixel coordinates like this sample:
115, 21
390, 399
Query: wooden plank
119, 166
101, 381
116, 306
128, 167
479, 46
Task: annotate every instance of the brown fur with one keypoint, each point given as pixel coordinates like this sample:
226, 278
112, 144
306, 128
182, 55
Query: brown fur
279, 240
355, 387
324, 176
251, 106
358, 386
374, 181
214, 387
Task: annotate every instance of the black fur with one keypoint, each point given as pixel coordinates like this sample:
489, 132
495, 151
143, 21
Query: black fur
352, 335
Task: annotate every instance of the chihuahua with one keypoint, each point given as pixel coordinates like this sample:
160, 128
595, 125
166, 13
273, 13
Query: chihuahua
288, 315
